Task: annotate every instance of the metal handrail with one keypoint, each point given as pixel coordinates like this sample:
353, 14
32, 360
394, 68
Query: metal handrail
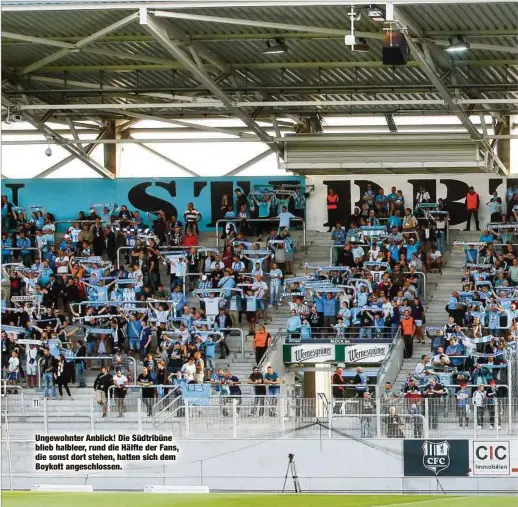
98, 358
160, 247
331, 334
274, 219
269, 350
6, 386
8, 248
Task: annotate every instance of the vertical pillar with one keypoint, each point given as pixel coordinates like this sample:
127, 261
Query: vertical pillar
513, 144
110, 149
504, 146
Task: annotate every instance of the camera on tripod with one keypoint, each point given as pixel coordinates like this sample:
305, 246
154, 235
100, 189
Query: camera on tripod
290, 457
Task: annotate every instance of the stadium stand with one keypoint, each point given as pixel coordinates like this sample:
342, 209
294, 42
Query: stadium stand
155, 318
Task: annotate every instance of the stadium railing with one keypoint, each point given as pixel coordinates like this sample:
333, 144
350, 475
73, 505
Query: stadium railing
101, 360
19, 249
358, 333
259, 220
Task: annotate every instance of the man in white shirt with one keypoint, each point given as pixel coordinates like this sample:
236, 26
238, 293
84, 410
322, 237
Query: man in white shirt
284, 218
189, 369
260, 288
421, 367
434, 260
211, 305
437, 358
61, 262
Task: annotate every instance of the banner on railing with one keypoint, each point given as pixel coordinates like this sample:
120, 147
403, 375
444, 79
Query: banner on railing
354, 353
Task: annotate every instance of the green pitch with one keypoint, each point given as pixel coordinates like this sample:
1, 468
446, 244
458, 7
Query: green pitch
28, 499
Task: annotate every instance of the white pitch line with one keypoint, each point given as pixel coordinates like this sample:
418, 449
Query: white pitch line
440, 499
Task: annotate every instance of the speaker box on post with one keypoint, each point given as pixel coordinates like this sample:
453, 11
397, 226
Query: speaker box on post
395, 50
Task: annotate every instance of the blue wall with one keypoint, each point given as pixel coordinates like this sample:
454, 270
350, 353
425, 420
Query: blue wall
66, 197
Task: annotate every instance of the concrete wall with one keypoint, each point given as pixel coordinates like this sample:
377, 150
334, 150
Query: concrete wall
322, 465
450, 187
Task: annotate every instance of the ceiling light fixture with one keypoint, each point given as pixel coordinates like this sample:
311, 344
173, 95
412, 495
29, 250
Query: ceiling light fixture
377, 14
275, 46
458, 44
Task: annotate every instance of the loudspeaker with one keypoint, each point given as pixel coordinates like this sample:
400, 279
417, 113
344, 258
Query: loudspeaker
395, 50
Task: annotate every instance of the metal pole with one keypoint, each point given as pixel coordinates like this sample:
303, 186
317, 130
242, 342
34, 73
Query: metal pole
510, 395
426, 427
329, 419
187, 423
281, 414
39, 373
139, 413
304, 232
109, 400
92, 416
378, 416
234, 418
217, 232
45, 417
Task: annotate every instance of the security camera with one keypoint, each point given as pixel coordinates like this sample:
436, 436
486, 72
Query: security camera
350, 39
48, 152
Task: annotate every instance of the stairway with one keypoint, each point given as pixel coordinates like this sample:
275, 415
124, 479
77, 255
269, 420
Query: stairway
439, 290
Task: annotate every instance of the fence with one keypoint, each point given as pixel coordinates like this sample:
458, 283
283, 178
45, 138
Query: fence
228, 417
17, 249
443, 417
344, 335
168, 248
100, 360
259, 220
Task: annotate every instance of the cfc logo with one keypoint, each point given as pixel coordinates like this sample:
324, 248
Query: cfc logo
491, 458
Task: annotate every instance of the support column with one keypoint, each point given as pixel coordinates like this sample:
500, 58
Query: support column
504, 145
110, 150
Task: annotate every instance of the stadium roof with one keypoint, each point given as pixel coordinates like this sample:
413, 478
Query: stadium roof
125, 60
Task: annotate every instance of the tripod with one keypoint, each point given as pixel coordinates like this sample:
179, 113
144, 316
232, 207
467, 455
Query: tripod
293, 469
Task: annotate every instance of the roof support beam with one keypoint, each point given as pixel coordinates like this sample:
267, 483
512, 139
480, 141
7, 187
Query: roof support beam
180, 123
233, 106
167, 159
74, 132
260, 66
158, 31
248, 163
453, 105
88, 150
78, 45
52, 136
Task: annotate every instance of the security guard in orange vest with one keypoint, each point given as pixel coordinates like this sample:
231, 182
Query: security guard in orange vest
472, 205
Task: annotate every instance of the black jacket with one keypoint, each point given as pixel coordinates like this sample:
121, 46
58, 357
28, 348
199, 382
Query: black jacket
103, 382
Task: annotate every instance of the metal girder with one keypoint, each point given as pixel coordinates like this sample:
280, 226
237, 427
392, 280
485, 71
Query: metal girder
248, 163
264, 66
87, 150
261, 36
78, 45
233, 105
74, 132
49, 5
433, 76
180, 123
454, 105
64, 143
104, 89
159, 32
167, 159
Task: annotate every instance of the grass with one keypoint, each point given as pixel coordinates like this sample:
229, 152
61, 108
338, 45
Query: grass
30, 499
